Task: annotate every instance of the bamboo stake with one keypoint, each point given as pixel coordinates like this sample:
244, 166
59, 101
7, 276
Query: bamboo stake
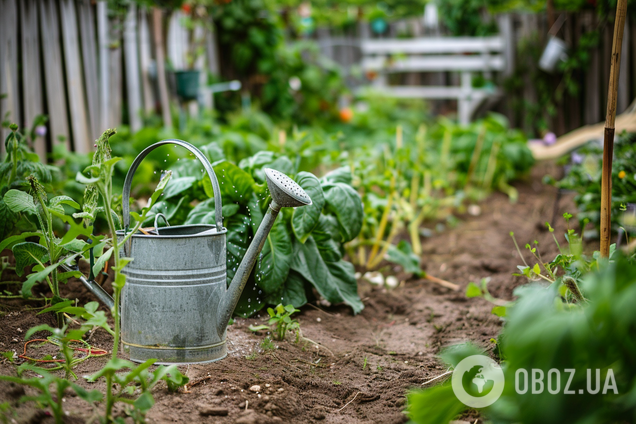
608, 143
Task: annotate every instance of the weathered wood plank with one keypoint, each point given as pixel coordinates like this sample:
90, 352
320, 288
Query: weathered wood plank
54, 75
9, 105
432, 45
435, 63
74, 78
145, 59
88, 38
104, 59
157, 35
624, 98
32, 88
115, 86
177, 41
133, 82
592, 91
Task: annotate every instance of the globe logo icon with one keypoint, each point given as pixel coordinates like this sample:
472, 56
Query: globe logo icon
478, 381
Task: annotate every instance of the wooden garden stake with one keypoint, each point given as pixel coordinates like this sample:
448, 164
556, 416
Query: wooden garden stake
608, 143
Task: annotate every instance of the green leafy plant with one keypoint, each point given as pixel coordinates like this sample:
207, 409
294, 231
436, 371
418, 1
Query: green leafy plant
584, 178
280, 318
18, 163
50, 250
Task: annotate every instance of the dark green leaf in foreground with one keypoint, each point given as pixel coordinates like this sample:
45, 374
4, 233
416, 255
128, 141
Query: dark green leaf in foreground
403, 255
335, 281
28, 253
345, 203
274, 260
8, 219
306, 218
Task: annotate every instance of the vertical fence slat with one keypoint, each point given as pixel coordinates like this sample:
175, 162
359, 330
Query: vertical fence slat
145, 58
32, 94
104, 59
9, 63
54, 74
74, 78
133, 83
157, 29
624, 99
115, 86
89, 60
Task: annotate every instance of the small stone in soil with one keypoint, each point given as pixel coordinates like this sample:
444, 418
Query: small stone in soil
255, 388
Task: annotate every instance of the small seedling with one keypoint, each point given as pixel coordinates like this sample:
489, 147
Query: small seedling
364, 365
281, 318
268, 344
336, 383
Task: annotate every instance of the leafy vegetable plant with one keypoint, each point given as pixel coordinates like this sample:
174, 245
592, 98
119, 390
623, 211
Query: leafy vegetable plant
280, 317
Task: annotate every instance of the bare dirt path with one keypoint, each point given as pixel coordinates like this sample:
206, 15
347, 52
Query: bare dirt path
366, 363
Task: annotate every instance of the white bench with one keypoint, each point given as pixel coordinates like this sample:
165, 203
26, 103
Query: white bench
436, 54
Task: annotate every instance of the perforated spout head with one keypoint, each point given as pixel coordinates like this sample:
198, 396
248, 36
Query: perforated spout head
285, 192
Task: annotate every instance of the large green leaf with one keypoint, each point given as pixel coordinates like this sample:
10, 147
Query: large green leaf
19, 201
238, 236
335, 281
28, 253
306, 218
339, 175
9, 242
255, 211
8, 219
169, 208
178, 186
36, 278
252, 300
203, 213
292, 293
236, 185
345, 203
75, 230
403, 255
327, 237
63, 200
275, 259
101, 261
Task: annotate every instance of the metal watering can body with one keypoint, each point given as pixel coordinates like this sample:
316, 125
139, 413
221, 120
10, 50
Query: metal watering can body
176, 304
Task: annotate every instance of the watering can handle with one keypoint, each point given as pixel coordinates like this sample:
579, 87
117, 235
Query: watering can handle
204, 161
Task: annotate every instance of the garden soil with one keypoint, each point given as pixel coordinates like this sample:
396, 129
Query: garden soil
349, 369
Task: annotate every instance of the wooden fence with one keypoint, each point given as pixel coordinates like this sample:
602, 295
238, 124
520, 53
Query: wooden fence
88, 72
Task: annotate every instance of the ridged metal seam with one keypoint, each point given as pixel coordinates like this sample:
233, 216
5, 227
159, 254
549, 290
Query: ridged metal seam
212, 346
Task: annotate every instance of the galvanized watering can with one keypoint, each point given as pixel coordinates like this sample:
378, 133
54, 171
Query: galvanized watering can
176, 304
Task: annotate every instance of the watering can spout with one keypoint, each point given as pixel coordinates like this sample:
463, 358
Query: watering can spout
285, 192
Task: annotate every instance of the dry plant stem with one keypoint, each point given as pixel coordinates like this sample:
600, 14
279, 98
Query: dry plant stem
439, 376
476, 155
383, 221
395, 229
608, 143
492, 162
347, 404
442, 283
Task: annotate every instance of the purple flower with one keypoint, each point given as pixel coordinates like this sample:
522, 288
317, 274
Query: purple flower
40, 130
549, 139
577, 158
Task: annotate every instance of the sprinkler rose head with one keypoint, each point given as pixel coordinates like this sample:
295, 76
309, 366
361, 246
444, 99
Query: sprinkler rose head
286, 193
